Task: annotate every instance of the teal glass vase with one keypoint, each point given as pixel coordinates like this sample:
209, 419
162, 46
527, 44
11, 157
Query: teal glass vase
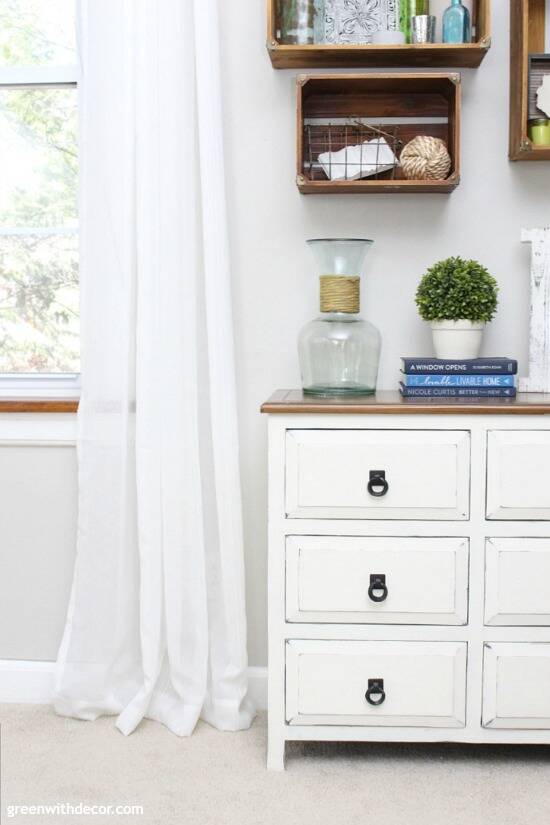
339, 351
456, 24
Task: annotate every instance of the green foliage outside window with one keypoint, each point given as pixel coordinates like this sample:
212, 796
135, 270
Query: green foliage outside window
39, 316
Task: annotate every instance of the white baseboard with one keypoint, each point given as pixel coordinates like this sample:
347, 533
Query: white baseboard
257, 686
31, 683
26, 683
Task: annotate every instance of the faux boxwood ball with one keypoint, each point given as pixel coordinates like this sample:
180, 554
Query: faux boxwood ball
456, 290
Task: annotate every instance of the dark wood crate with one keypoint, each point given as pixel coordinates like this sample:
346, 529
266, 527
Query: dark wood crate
384, 99
427, 55
527, 38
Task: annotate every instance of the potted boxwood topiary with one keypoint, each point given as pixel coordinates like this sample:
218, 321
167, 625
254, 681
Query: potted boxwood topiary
458, 298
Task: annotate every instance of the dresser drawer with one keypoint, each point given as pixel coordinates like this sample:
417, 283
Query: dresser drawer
517, 581
518, 475
337, 474
516, 685
408, 683
342, 579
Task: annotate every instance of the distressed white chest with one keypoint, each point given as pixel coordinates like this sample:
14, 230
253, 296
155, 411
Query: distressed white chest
409, 570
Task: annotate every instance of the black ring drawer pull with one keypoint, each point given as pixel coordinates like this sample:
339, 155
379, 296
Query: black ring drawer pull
378, 486
375, 694
378, 590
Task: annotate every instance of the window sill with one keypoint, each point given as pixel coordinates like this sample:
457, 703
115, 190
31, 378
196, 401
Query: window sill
39, 393
22, 404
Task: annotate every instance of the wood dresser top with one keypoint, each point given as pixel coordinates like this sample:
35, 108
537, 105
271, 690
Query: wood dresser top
295, 401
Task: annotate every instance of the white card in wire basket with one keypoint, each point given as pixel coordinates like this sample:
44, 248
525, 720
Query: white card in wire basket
361, 161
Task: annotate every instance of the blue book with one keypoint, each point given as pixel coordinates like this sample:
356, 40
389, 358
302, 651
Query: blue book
457, 392
493, 381
477, 366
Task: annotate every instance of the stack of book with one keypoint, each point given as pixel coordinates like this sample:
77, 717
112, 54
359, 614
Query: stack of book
479, 378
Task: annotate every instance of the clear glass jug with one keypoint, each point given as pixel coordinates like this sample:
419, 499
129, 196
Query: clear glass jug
302, 21
339, 352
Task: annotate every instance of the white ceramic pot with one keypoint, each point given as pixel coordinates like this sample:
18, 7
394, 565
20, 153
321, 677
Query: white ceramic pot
457, 339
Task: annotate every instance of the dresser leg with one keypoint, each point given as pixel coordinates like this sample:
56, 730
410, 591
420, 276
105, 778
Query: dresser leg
275, 753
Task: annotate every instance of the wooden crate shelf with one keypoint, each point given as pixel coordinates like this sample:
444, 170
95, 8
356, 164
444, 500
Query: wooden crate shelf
415, 104
433, 55
527, 38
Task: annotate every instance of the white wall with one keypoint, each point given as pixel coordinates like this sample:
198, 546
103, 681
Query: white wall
275, 293
275, 287
38, 502
38, 521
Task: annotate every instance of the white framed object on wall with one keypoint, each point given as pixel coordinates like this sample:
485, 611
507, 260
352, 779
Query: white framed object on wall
538, 379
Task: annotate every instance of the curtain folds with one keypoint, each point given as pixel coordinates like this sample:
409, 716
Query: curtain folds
156, 624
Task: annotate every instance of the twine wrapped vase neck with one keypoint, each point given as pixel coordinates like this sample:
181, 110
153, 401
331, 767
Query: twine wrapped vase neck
340, 293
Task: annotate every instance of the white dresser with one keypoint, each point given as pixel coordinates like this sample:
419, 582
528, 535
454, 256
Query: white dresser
409, 570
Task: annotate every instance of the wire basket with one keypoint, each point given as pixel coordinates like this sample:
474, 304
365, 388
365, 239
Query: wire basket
325, 139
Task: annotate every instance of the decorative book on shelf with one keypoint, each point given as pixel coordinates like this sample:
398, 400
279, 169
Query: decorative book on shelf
477, 366
419, 380
457, 392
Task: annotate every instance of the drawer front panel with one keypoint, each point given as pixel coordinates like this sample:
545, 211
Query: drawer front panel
516, 686
343, 579
517, 581
329, 473
409, 684
518, 475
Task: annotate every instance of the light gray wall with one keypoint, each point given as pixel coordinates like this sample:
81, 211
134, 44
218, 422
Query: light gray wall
275, 293
275, 288
37, 541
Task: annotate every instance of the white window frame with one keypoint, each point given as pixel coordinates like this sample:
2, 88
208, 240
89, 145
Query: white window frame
43, 385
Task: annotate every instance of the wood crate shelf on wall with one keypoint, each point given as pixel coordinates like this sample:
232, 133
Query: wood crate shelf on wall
433, 55
527, 38
331, 107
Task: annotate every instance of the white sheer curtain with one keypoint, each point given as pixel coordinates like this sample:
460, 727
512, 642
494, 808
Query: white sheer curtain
156, 622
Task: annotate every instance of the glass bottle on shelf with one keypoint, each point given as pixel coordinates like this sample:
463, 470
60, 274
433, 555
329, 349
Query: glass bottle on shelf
301, 21
408, 9
339, 352
456, 24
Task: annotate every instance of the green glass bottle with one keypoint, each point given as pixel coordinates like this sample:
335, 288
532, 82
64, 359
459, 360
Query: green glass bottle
408, 9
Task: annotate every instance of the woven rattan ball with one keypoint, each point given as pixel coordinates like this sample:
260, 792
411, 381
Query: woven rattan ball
425, 158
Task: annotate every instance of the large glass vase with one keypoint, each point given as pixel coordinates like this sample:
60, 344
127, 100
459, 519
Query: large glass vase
339, 351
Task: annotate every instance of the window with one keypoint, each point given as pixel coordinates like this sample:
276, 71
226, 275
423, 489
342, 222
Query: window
39, 313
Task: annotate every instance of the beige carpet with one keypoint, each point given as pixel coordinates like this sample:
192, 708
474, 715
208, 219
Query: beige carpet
220, 779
